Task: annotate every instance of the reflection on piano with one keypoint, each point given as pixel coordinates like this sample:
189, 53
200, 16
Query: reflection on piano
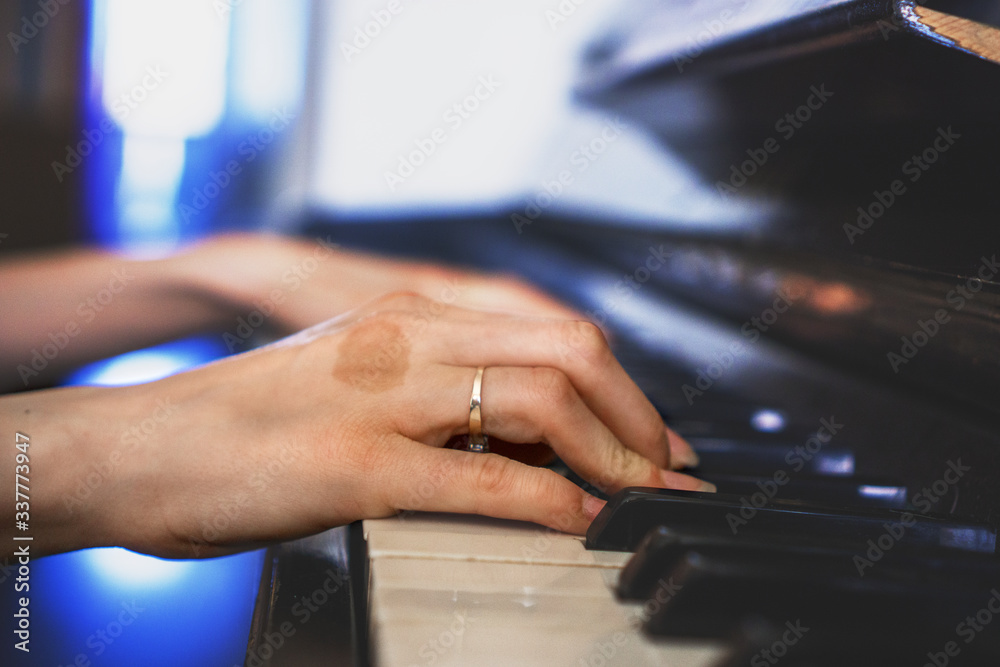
830, 350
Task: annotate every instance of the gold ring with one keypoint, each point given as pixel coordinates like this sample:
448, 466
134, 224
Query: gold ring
478, 441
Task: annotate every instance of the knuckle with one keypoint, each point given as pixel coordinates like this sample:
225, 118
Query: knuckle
551, 387
493, 475
513, 284
402, 300
404, 315
547, 484
625, 466
587, 341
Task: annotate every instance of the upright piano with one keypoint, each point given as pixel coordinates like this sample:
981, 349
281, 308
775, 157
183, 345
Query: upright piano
830, 345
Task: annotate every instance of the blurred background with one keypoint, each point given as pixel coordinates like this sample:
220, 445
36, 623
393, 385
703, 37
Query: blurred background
142, 125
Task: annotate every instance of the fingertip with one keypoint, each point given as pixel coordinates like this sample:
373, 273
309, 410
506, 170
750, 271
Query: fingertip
592, 506
681, 482
682, 455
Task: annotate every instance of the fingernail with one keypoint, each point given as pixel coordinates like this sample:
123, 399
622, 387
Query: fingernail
592, 506
682, 455
687, 458
708, 487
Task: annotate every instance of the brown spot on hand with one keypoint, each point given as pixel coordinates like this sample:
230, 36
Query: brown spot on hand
374, 356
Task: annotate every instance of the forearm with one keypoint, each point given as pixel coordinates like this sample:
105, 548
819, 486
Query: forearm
61, 310
63, 447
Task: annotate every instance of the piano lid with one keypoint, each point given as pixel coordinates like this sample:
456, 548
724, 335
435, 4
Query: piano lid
865, 135
865, 130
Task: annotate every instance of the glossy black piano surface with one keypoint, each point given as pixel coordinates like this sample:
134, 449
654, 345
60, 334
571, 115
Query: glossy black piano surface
808, 365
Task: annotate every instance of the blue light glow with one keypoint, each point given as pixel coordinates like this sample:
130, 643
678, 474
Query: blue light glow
150, 364
836, 464
123, 567
768, 421
895, 492
85, 614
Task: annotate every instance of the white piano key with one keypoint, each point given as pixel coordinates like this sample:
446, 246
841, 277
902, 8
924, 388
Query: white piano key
457, 537
454, 590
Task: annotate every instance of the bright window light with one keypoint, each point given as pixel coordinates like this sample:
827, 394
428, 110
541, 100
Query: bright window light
269, 51
467, 93
151, 174
164, 65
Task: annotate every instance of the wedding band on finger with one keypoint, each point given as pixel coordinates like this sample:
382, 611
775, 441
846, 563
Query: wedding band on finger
478, 441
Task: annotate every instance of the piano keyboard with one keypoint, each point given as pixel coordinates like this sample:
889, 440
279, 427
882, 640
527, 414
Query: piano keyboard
464, 590
456, 590
792, 412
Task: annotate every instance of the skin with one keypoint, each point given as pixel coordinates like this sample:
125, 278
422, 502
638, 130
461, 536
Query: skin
345, 420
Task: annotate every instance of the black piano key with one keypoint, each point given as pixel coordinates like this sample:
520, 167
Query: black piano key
714, 591
633, 512
663, 549
765, 458
849, 492
759, 642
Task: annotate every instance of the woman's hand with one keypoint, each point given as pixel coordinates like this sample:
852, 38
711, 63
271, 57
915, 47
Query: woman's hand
344, 421
297, 283
81, 305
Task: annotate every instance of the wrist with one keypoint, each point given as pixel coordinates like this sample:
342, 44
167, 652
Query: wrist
74, 459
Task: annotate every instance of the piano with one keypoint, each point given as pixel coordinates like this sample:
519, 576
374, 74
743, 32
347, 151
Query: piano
830, 345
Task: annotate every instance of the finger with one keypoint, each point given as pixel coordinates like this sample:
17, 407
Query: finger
682, 455
528, 405
513, 296
490, 485
542, 405
580, 351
